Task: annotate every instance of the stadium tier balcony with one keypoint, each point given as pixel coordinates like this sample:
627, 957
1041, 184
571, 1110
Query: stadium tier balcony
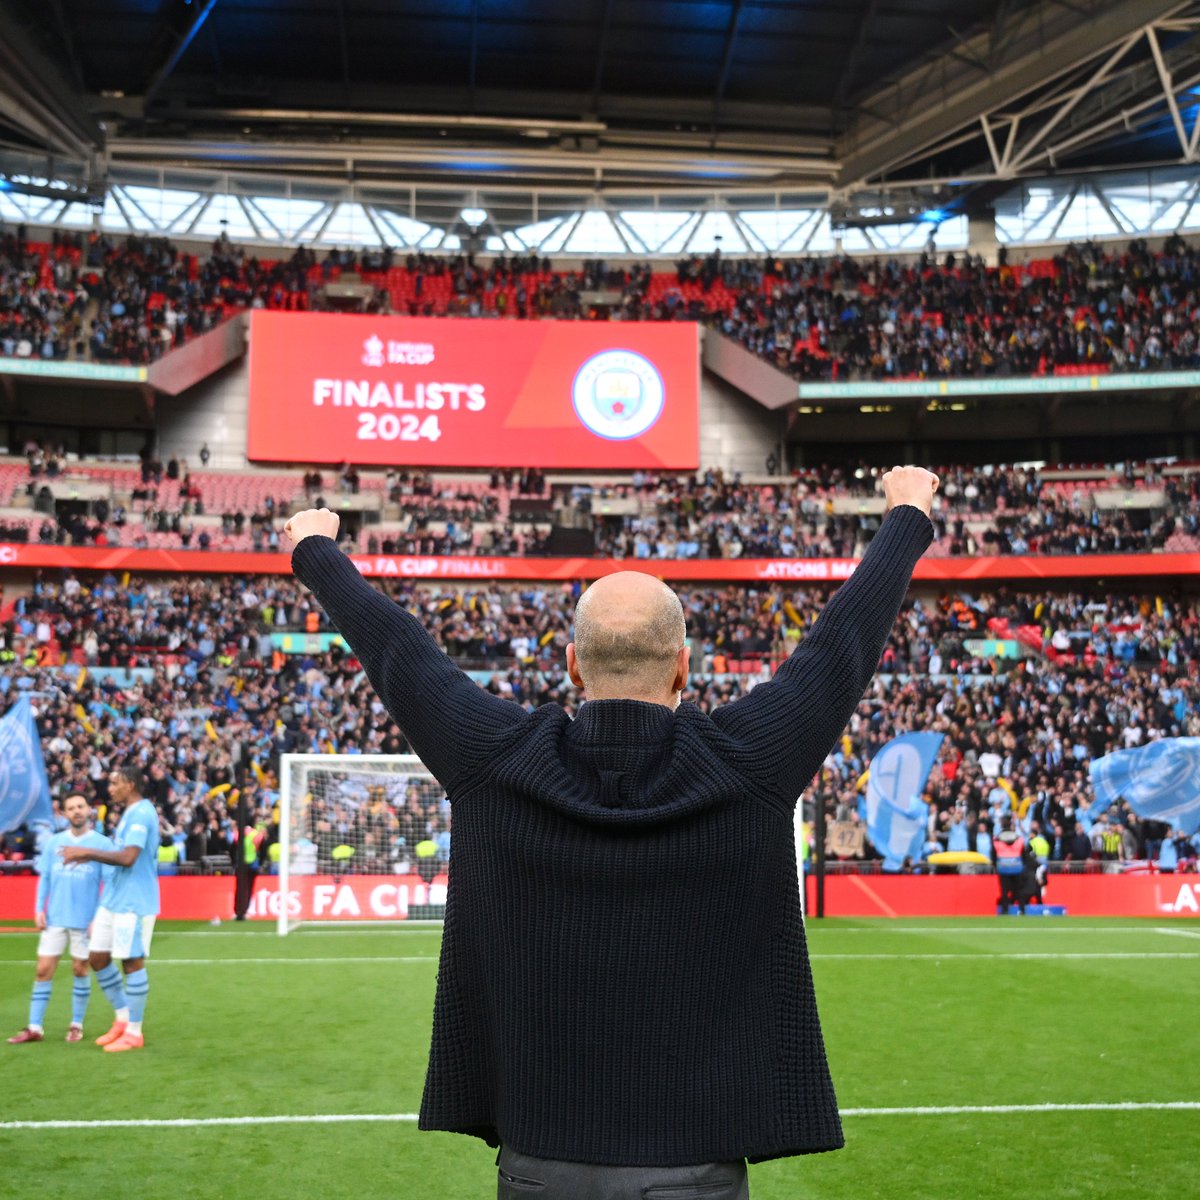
1069, 509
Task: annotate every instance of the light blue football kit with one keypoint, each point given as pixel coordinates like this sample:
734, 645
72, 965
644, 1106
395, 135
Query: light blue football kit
125, 921
134, 889
69, 893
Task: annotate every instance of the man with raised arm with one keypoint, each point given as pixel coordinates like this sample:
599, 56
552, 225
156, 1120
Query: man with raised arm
624, 1000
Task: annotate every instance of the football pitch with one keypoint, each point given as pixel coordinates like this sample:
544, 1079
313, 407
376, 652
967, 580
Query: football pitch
973, 1059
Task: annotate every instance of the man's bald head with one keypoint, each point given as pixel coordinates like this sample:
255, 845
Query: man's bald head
629, 631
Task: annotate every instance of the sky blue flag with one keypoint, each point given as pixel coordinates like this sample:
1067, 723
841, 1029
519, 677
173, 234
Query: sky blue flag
24, 790
1159, 781
895, 815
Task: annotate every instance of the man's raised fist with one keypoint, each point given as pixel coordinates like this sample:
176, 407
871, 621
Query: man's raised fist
910, 485
312, 522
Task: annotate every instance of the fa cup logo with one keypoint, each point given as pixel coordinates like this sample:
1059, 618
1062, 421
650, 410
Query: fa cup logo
372, 352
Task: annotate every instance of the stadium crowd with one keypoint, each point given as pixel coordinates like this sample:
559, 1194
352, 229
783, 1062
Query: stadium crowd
184, 677
1087, 308
816, 512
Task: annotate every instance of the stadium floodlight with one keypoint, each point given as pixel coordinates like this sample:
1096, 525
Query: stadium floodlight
362, 837
474, 216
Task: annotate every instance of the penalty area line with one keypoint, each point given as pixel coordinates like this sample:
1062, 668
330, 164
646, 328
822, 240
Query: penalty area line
949, 1110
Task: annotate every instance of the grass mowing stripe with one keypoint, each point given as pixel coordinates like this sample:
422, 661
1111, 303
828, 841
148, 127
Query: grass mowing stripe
369, 1118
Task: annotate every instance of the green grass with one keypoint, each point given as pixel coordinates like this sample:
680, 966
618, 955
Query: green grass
997, 1013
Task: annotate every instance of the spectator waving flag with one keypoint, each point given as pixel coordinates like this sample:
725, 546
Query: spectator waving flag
24, 792
895, 815
1159, 781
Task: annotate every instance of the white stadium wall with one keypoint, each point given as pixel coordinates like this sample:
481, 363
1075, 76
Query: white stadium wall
213, 412
736, 432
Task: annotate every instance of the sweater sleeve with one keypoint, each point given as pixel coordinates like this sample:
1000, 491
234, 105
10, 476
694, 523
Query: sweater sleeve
790, 723
449, 721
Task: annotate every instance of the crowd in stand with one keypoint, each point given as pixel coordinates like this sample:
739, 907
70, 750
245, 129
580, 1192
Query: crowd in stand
1084, 308
978, 512
711, 514
205, 699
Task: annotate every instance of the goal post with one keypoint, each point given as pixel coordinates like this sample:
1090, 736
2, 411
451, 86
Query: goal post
362, 837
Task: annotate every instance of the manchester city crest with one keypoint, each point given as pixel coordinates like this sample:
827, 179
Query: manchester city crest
618, 394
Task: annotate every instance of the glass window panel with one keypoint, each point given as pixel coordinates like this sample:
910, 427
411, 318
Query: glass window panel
554, 242
654, 229
774, 226
534, 235
111, 216
76, 216
408, 230
224, 215
1085, 218
349, 226
161, 205
9, 209
858, 241
676, 242
285, 214
810, 240
717, 231
594, 234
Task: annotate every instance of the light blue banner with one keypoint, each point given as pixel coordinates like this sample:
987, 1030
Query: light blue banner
24, 790
892, 809
1159, 781
58, 369
1009, 385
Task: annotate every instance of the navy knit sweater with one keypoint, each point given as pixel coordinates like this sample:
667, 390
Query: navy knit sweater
624, 977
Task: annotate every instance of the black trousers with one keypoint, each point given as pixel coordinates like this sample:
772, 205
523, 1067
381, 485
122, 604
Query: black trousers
1011, 892
522, 1177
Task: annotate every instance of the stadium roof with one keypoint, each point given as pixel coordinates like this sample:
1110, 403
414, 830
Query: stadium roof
939, 100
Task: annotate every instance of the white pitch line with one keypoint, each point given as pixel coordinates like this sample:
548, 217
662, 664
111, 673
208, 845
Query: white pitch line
1187, 933
948, 1110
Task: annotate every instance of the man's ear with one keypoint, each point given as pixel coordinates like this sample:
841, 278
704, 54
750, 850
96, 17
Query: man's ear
682, 661
573, 666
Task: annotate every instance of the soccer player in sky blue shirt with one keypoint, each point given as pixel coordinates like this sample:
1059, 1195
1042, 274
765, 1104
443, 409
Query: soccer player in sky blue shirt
67, 896
124, 922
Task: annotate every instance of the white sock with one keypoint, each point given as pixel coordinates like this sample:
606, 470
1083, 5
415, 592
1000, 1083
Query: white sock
123, 1015
36, 1029
134, 1027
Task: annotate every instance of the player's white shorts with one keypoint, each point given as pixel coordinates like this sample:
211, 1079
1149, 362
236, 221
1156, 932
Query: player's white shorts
123, 935
54, 941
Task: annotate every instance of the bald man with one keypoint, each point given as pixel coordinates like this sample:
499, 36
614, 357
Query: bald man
624, 1000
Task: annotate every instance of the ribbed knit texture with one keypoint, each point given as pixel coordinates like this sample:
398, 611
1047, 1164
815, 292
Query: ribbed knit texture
624, 977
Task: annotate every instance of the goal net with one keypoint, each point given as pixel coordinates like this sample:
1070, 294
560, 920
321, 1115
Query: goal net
361, 838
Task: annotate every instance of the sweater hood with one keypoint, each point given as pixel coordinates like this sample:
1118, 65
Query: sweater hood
629, 763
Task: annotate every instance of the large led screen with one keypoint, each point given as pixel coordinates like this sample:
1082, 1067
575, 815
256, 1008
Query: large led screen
427, 391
